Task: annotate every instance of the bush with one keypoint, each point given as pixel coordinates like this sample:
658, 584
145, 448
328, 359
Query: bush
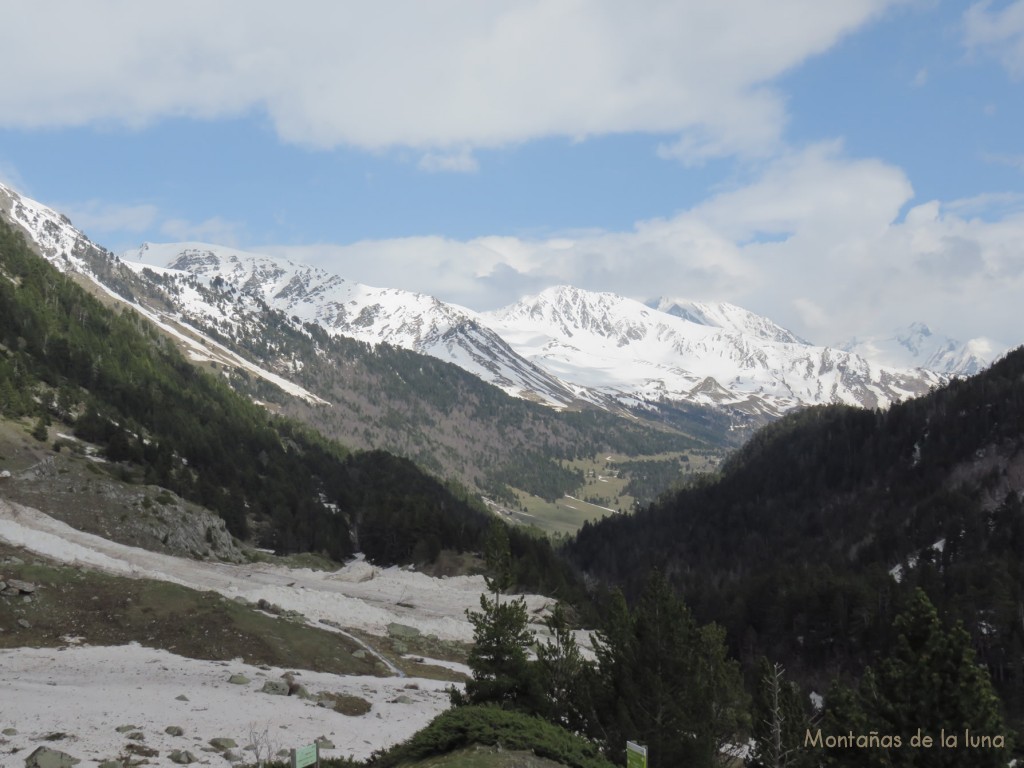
466, 726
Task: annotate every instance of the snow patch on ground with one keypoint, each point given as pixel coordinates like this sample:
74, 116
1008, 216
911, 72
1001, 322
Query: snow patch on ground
360, 595
88, 692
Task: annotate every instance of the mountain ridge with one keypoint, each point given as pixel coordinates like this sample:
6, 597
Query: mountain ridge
629, 350
666, 352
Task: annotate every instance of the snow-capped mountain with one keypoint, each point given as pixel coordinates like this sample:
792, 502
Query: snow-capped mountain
558, 347
918, 346
728, 317
401, 318
70, 251
707, 354
52, 232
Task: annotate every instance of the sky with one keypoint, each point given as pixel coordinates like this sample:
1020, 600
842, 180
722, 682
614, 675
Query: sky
844, 167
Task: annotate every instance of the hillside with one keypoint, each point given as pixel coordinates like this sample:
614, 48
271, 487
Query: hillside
816, 531
368, 396
112, 380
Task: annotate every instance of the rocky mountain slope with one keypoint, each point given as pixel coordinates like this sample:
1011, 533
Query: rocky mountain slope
436, 413
563, 346
714, 355
306, 294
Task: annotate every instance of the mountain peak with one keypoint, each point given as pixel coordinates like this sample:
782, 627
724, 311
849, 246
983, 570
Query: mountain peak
728, 317
917, 346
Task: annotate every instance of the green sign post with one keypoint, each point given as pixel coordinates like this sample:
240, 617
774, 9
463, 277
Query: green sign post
636, 755
304, 756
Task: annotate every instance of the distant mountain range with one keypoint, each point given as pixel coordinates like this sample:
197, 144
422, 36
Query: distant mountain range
563, 347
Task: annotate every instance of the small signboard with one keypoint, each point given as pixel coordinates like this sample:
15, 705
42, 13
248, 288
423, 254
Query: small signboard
636, 755
303, 756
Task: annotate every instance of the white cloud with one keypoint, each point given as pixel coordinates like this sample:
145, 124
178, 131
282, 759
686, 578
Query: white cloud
920, 79
1011, 161
213, 230
816, 242
450, 73
998, 32
95, 216
453, 162
10, 177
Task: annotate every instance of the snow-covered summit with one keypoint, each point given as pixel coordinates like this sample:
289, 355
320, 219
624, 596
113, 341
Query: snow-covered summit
704, 354
727, 316
405, 319
52, 232
918, 346
560, 346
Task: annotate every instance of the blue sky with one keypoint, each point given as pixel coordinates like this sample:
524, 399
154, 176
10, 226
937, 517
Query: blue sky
845, 167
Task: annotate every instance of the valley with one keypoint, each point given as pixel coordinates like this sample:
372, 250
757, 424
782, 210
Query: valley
200, 492
611, 484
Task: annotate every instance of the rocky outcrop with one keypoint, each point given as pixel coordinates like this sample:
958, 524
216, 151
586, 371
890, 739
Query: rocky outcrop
17, 588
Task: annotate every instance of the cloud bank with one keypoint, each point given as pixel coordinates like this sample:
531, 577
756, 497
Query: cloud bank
449, 74
827, 245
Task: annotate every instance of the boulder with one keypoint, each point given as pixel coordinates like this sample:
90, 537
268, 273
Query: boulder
222, 743
324, 743
360, 654
126, 728
402, 631
182, 757
401, 699
174, 730
141, 750
44, 757
275, 688
239, 680
9, 731
181, 697
22, 586
24, 624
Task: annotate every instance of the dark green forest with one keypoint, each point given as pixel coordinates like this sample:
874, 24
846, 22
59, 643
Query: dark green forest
117, 382
819, 530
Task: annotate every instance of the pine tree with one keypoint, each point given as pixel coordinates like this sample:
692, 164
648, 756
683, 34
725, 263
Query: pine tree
665, 681
564, 675
39, 431
931, 681
502, 672
780, 720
